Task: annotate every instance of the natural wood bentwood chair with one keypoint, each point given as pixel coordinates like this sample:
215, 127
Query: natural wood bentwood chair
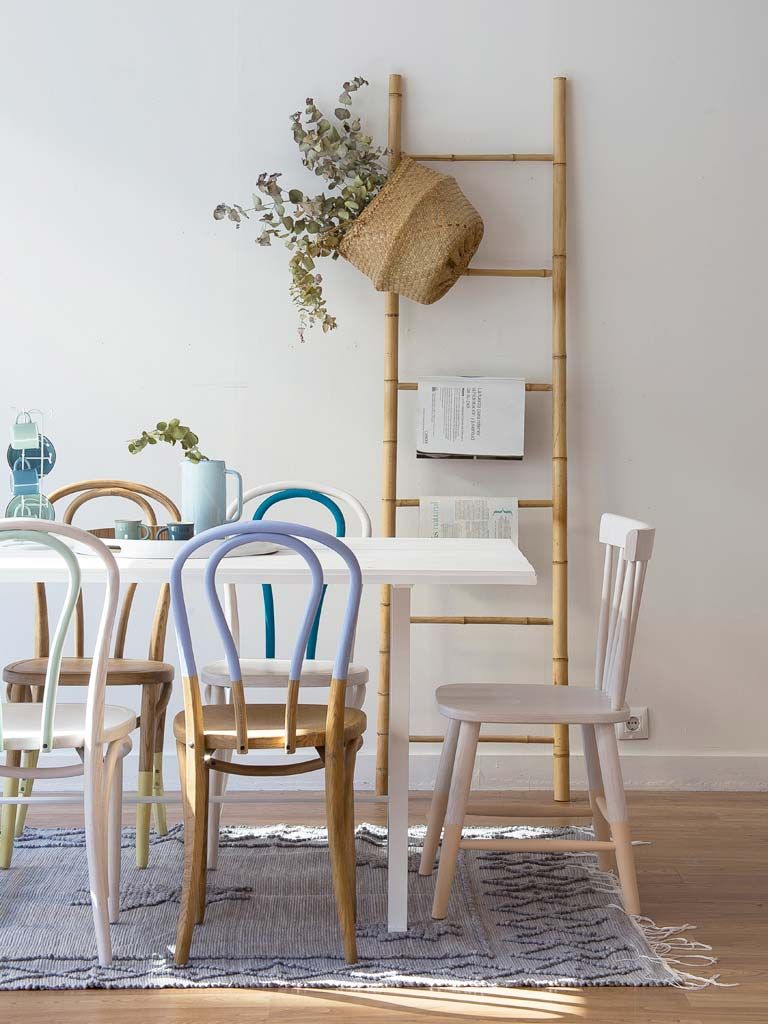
629, 545
271, 672
99, 733
334, 731
154, 676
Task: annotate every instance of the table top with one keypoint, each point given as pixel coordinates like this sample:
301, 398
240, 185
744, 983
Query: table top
402, 561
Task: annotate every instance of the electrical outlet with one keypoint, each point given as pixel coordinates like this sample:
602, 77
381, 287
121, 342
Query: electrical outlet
636, 726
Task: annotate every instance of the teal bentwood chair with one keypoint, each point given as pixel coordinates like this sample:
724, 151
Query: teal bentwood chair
271, 672
98, 734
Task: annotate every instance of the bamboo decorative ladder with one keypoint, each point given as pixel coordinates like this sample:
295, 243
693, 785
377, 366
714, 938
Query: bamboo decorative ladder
557, 503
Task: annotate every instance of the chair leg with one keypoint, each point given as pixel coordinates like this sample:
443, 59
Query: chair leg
454, 816
192, 774
217, 785
147, 733
350, 755
158, 810
605, 859
115, 840
202, 868
95, 803
439, 798
616, 805
8, 816
335, 803
29, 759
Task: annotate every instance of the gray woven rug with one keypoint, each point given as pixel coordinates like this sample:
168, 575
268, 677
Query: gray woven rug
515, 918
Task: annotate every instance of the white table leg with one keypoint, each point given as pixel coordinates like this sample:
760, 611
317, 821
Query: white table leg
399, 731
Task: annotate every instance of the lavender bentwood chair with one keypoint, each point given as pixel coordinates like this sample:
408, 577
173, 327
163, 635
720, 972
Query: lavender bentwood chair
333, 730
271, 672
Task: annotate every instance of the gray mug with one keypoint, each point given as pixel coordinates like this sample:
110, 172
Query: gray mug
131, 529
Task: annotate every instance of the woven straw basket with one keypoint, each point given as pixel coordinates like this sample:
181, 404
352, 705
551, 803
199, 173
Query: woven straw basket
417, 236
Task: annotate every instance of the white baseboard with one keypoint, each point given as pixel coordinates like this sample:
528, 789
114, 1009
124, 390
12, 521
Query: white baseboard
726, 772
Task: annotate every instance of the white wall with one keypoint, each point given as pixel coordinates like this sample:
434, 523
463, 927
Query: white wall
124, 302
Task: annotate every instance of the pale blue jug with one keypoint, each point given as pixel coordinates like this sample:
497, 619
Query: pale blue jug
204, 493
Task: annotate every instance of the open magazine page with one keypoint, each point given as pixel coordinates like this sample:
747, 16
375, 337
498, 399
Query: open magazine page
472, 516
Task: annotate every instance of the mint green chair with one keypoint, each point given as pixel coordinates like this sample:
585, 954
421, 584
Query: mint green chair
98, 733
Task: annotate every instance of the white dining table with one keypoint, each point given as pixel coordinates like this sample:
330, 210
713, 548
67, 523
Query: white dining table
402, 562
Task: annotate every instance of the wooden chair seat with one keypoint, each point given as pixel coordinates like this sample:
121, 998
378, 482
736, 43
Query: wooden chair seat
266, 726
21, 725
77, 671
527, 703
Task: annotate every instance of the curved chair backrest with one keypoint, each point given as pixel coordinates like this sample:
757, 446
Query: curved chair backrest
285, 490
138, 494
47, 535
628, 548
290, 535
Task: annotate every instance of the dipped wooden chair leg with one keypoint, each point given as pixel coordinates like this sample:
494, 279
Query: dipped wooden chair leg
350, 755
192, 773
454, 817
616, 806
147, 733
8, 816
439, 802
202, 858
158, 789
625, 863
605, 859
338, 847
29, 759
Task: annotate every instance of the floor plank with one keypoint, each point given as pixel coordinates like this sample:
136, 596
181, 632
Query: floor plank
707, 865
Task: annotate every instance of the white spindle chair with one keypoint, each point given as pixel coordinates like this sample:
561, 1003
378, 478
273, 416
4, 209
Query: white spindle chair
270, 672
99, 733
629, 545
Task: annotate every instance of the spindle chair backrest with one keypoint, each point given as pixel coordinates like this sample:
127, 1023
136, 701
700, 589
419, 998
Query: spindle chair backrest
138, 494
333, 499
290, 535
47, 534
628, 548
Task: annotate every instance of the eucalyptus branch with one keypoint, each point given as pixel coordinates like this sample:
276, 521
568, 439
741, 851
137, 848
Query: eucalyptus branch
173, 432
346, 158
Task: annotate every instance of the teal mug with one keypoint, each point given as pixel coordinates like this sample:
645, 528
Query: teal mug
176, 531
131, 529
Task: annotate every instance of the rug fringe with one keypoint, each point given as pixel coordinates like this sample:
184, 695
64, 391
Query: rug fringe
670, 948
674, 951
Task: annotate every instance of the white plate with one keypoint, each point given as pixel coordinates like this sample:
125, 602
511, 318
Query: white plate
168, 549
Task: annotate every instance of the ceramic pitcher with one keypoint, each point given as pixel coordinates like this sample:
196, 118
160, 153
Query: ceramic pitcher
204, 493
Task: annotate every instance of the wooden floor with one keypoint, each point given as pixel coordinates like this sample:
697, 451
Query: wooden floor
708, 865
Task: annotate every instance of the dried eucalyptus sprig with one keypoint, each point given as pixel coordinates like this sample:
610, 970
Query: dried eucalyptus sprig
172, 432
346, 158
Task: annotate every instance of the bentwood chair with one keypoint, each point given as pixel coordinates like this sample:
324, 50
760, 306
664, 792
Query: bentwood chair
153, 675
271, 672
203, 732
99, 733
629, 545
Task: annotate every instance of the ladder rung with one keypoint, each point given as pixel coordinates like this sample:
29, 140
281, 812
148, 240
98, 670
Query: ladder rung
507, 272
412, 385
481, 620
482, 157
488, 739
522, 503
